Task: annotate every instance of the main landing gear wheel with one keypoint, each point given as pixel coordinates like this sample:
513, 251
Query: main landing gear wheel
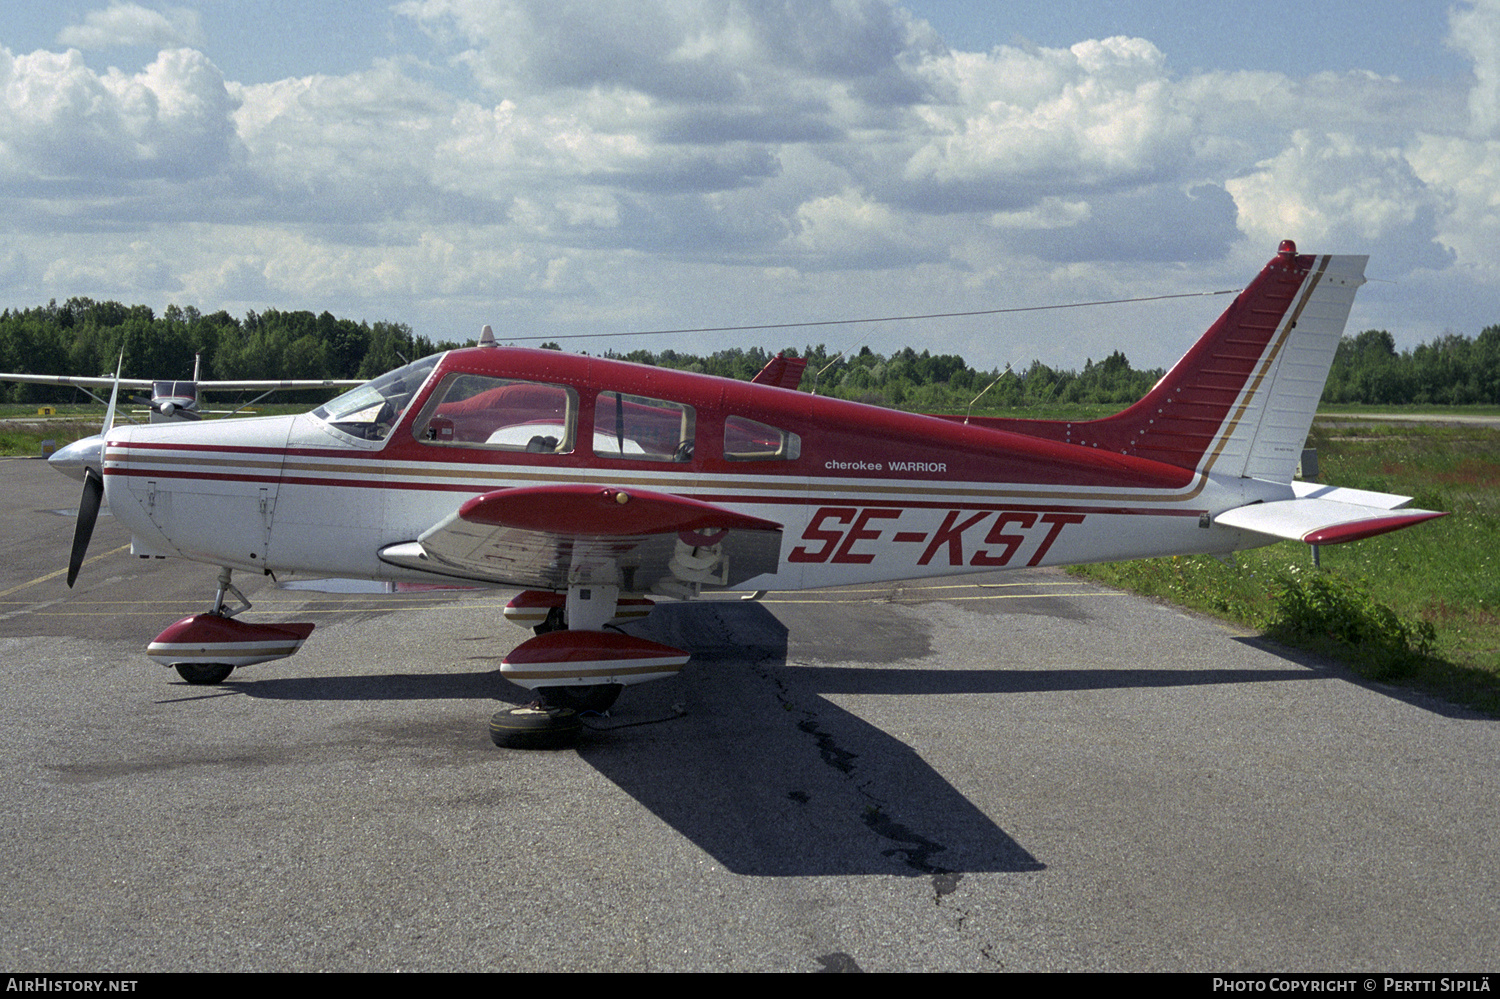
535, 728
554, 621
582, 698
204, 673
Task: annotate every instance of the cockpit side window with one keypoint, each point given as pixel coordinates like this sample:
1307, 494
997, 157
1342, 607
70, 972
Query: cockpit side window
751, 440
468, 410
633, 426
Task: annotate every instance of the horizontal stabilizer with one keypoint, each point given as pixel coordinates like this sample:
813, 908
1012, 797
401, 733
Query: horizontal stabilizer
782, 372
1325, 521
1343, 494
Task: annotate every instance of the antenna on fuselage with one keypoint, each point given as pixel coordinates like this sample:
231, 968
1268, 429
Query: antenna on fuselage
818, 375
486, 336
970, 411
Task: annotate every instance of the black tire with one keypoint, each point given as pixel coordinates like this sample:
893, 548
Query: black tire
554, 621
593, 697
535, 728
200, 674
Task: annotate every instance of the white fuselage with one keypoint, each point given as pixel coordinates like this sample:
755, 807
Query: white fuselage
292, 495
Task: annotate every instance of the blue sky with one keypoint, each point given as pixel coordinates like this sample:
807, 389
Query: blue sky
565, 167
1405, 38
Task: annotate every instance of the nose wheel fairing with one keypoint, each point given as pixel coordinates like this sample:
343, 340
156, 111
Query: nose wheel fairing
206, 648
210, 638
589, 658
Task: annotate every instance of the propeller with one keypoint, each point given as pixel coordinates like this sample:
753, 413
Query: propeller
88, 512
93, 487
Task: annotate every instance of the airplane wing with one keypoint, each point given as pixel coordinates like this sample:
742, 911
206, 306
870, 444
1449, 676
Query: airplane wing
104, 381
546, 537
277, 386
1327, 515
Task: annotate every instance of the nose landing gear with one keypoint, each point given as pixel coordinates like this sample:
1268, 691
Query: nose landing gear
207, 647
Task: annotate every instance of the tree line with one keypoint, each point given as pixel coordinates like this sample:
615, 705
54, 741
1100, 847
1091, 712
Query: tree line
84, 337
924, 382
1451, 370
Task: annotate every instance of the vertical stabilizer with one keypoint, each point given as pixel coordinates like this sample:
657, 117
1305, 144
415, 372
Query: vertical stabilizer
1241, 400
1263, 434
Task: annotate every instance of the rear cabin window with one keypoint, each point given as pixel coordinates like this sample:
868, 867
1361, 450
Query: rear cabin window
499, 413
633, 426
750, 440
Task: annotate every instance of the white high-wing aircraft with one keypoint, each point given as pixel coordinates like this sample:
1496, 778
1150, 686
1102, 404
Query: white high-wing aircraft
176, 400
596, 485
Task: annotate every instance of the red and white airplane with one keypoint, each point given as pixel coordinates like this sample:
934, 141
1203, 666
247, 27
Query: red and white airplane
597, 485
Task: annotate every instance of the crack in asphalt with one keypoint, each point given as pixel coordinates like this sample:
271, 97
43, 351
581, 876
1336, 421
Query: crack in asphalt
912, 848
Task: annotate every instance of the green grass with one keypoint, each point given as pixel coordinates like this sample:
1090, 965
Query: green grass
1419, 607
25, 439
1354, 409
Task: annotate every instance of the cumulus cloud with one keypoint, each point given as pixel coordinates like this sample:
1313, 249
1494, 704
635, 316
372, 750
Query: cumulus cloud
680, 49
709, 70
1458, 164
127, 24
356, 149
848, 224
1159, 222
60, 119
1464, 176
1331, 191
124, 269
1020, 125
1475, 31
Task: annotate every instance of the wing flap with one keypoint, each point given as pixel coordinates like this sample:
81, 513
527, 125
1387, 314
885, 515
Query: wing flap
548, 537
1321, 521
592, 511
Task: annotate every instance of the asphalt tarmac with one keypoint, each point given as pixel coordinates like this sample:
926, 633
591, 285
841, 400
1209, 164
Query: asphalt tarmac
1009, 772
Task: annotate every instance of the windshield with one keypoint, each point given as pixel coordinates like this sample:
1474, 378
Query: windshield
174, 390
371, 410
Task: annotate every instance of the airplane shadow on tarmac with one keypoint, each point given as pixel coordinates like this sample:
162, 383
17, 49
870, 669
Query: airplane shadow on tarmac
747, 757
772, 779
